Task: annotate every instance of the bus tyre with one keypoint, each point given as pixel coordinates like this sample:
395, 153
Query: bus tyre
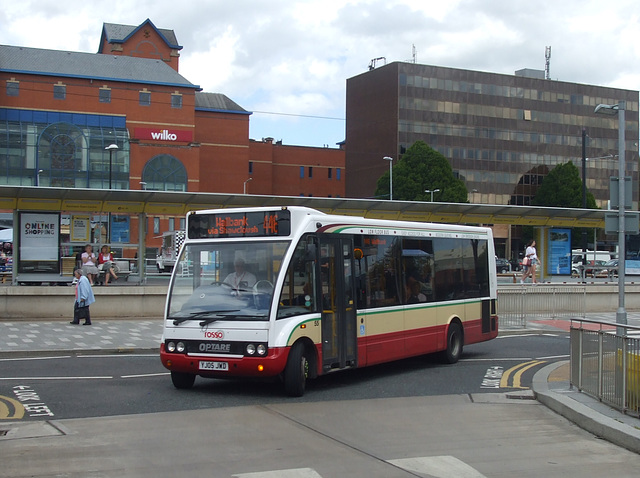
454, 343
182, 380
296, 371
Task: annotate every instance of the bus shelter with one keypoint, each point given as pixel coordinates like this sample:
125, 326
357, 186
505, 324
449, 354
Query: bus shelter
51, 225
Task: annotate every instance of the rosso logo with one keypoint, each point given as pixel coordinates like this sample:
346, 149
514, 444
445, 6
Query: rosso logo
218, 335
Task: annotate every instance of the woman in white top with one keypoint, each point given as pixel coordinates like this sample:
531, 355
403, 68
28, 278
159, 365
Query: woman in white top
532, 255
89, 267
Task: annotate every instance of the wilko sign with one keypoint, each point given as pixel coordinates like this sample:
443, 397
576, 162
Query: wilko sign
159, 134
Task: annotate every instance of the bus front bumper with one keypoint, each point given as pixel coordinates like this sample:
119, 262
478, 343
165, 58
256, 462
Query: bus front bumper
268, 366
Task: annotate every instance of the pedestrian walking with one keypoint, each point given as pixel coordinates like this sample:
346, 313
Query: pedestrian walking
84, 298
530, 262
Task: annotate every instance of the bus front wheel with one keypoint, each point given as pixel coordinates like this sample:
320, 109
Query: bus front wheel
182, 380
296, 371
454, 343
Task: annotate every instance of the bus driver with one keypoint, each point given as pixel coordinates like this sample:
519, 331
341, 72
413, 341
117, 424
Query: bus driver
241, 279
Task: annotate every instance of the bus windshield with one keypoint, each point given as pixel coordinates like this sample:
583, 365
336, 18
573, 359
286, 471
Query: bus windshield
225, 281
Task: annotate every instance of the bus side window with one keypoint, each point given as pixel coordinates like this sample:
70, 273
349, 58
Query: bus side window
299, 290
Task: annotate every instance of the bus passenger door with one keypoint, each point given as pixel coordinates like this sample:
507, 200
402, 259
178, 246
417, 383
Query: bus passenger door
338, 303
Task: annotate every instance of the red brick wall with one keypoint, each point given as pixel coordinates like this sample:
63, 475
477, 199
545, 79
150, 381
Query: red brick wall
276, 170
144, 43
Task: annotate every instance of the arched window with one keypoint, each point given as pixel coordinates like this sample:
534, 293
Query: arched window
61, 153
165, 173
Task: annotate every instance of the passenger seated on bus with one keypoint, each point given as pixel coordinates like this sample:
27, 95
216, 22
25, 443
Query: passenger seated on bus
306, 298
414, 294
241, 280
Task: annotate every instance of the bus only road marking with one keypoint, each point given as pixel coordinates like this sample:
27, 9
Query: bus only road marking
497, 377
492, 377
31, 401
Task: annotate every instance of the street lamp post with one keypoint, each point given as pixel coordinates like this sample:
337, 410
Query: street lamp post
431, 191
245, 185
612, 110
390, 159
584, 194
111, 148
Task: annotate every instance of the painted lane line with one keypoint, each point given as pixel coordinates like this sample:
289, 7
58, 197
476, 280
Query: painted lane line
507, 359
161, 374
551, 357
515, 335
116, 355
34, 358
10, 409
518, 375
504, 381
24, 379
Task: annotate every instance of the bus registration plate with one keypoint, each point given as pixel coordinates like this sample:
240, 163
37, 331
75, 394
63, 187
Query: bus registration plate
220, 366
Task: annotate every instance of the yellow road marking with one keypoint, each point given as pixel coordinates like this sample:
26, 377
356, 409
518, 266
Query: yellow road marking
521, 368
5, 413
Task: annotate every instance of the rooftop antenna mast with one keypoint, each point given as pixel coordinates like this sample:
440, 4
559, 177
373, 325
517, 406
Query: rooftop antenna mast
547, 62
414, 53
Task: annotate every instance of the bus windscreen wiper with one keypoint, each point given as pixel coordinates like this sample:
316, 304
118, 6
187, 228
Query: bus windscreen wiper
222, 316
194, 315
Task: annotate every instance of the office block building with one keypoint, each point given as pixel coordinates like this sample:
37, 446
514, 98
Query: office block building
501, 133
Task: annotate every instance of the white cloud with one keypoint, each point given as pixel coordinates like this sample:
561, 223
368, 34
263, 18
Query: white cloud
294, 56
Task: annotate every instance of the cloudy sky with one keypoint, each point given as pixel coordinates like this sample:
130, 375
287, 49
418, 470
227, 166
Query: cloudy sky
288, 60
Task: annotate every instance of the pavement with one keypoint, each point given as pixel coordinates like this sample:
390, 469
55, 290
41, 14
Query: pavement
550, 386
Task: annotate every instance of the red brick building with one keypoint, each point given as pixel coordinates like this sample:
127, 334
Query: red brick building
60, 111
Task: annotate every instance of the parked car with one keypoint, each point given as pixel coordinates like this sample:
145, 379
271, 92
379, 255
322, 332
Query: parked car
503, 266
592, 269
610, 269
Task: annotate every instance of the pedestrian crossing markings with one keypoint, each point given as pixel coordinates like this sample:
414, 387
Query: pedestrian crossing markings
436, 466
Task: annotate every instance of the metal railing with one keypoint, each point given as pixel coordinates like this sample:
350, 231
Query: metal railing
517, 304
605, 363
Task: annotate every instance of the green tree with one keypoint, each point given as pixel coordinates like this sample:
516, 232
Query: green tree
419, 169
562, 187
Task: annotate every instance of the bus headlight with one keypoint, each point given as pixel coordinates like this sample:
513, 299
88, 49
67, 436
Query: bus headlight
171, 347
251, 349
180, 347
262, 349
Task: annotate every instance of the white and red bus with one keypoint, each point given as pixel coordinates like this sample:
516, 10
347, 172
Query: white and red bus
295, 293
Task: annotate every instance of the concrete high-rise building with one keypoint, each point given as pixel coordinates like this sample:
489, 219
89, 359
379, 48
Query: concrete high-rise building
501, 133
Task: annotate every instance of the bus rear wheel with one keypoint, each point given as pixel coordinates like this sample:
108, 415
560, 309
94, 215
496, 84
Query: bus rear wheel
454, 343
297, 371
182, 380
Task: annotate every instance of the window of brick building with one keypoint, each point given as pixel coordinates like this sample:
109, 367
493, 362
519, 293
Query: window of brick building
104, 95
176, 100
59, 92
145, 98
13, 88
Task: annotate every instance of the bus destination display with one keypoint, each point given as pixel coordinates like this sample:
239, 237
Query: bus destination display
248, 224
